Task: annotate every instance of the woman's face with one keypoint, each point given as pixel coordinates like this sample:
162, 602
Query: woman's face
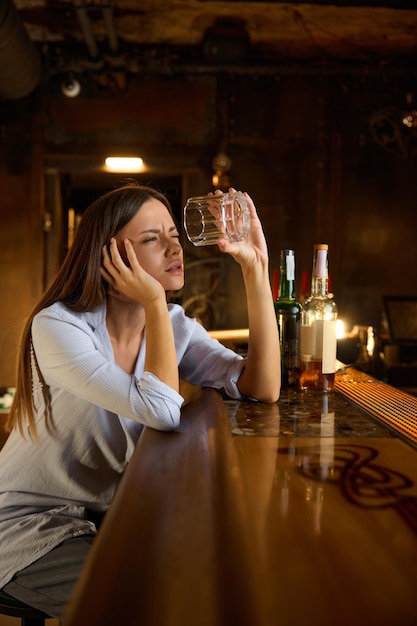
155, 239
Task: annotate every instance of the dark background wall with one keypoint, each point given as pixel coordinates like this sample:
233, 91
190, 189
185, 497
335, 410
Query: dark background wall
302, 143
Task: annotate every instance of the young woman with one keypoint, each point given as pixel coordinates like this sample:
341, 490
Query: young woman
101, 357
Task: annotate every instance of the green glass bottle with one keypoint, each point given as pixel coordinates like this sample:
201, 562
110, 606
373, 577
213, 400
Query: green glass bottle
288, 313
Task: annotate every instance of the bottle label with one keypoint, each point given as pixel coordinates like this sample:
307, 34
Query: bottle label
318, 342
290, 264
329, 346
321, 260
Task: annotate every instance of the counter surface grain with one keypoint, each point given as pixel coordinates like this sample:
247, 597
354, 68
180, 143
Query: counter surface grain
300, 512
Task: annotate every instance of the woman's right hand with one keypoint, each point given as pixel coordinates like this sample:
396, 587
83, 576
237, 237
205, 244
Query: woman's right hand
128, 280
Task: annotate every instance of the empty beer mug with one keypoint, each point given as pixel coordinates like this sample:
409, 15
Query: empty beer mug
207, 218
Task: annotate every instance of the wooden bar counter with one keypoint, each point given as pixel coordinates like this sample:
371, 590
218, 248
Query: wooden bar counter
301, 512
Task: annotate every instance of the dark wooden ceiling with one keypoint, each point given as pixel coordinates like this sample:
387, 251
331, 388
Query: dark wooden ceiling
239, 32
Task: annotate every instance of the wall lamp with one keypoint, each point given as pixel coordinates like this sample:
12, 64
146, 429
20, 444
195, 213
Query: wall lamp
124, 164
70, 86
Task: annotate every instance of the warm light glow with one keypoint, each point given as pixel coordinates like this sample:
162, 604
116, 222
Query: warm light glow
410, 119
71, 226
340, 329
370, 344
124, 164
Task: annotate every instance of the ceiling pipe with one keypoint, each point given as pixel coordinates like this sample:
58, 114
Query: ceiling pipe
115, 57
108, 68
86, 29
109, 22
20, 62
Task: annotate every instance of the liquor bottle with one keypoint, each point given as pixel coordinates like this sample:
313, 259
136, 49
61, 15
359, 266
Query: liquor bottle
288, 313
318, 329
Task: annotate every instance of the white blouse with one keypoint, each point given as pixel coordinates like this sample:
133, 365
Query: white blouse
98, 413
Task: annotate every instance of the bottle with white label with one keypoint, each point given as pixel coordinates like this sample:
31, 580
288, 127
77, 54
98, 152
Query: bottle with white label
318, 329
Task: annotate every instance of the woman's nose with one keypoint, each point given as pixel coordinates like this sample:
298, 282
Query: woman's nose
174, 246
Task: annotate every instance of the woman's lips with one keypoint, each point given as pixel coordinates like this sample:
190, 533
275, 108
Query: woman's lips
175, 268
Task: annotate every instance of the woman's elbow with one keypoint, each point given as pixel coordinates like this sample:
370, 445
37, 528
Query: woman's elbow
264, 393
269, 396
170, 423
166, 418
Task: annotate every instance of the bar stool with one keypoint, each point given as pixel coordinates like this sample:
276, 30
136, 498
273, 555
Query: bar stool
14, 608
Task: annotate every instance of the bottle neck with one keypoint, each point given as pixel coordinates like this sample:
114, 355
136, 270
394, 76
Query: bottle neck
286, 289
319, 286
319, 277
287, 275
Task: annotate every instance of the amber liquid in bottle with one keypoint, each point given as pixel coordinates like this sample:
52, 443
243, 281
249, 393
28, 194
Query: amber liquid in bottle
318, 330
312, 377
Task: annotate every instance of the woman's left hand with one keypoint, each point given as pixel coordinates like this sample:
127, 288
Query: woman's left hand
253, 249
261, 376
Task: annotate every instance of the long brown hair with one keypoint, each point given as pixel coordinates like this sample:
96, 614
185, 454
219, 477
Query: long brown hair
78, 284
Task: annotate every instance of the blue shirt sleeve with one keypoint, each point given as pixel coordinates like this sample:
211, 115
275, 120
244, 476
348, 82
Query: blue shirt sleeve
77, 358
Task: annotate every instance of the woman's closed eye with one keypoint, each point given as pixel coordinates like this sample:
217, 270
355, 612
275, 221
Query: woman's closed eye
156, 237
148, 239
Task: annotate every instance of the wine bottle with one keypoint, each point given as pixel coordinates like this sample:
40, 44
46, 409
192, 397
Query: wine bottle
318, 329
288, 313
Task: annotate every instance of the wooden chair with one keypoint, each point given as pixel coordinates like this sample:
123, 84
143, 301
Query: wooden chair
14, 608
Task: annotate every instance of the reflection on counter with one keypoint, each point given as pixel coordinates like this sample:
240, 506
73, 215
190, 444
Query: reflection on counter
308, 444
302, 415
297, 512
